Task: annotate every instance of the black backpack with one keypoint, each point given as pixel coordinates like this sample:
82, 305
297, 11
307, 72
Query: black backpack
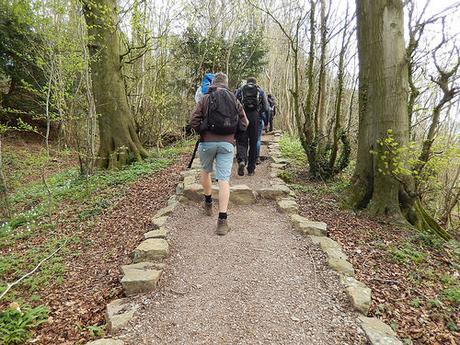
250, 96
222, 115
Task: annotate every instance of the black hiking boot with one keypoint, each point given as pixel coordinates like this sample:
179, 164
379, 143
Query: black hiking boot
241, 168
251, 173
222, 227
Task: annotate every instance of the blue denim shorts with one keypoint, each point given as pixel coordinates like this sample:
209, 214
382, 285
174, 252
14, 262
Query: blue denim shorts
222, 153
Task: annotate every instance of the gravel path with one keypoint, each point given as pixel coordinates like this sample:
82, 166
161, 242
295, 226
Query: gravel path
261, 284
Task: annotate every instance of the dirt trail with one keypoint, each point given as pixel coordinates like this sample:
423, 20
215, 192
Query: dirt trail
263, 283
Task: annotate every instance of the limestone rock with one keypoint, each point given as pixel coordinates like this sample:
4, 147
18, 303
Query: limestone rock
308, 227
119, 313
360, 294
279, 160
159, 233
180, 188
377, 332
274, 192
151, 249
340, 266
328, 245
189, 180
139, 278
274, 174
159, 222
188, 172
277, 181
144, 266
278, 165
288, 205
242, 195
106, 341
165, 211
173, 202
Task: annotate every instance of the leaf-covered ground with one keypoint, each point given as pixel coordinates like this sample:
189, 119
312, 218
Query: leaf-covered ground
414, 277
96, 222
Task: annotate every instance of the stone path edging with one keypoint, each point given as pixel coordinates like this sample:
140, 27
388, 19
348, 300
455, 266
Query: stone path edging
377, 332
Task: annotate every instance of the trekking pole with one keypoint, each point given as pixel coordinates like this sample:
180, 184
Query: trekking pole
194, 154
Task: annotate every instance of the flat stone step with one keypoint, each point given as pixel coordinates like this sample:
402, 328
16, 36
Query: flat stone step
140, 278
242, 195
151, 249
119, 313
239, 194
274, 192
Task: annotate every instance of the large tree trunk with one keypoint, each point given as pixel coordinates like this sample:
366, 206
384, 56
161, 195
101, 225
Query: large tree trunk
383, 102
119, 143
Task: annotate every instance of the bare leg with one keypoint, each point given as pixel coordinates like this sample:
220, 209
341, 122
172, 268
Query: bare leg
206, 182
224, 195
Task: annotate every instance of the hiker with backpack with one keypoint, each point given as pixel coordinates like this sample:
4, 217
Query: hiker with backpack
255, 105
218, 116
271, 112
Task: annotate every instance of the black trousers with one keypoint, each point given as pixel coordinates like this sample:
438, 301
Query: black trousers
270, 128
248, 139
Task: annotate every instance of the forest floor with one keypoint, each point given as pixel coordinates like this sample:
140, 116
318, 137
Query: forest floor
274, 279
414, 277
95, 224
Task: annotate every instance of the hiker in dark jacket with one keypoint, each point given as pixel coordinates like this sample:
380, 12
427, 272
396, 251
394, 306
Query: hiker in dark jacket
272, 111
255, 105
217, 141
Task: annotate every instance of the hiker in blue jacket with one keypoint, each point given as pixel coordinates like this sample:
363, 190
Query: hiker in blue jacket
204, 87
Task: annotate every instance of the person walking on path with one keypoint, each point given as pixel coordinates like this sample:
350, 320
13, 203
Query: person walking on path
255, 104
218, 116
271, 112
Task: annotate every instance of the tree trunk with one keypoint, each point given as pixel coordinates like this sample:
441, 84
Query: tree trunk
119, 143
320, 111
383, 102
362, 180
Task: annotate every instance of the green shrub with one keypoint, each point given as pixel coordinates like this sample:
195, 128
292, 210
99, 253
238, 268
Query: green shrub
292, 149
286, 176
407, 254
452, 295
16, 324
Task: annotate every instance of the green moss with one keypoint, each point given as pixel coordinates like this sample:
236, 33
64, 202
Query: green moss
407, 254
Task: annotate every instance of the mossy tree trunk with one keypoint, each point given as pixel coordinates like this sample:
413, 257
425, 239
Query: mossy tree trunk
119, 142
383, 102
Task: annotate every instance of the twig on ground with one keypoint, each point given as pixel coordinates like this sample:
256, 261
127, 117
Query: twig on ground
389, 281
10, 285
